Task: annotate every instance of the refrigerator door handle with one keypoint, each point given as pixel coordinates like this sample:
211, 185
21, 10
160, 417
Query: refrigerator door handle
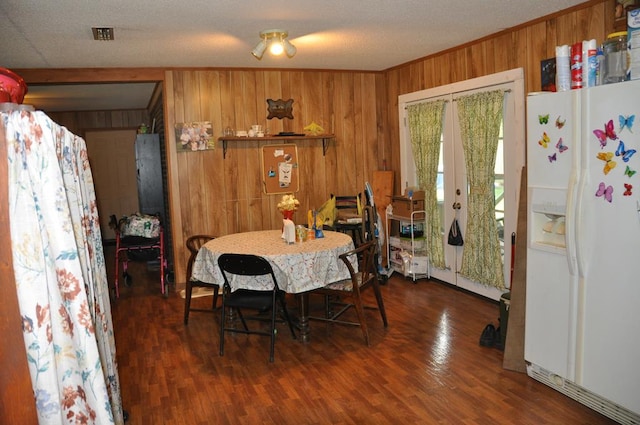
571, 223
577, 227
573, 218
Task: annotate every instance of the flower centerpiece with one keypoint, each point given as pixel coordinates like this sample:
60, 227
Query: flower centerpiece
287, 205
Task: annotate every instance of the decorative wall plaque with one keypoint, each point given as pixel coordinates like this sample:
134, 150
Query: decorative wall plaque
280, 108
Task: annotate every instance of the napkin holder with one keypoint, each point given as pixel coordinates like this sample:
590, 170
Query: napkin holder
288, 231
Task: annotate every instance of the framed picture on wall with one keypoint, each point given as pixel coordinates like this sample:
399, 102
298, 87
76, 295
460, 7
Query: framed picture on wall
194, 136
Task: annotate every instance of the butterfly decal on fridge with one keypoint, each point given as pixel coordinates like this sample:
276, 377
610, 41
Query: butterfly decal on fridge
609, 163
629, 172
543, 119
608, 133
605, 192
545, 140
626, 122
625, 154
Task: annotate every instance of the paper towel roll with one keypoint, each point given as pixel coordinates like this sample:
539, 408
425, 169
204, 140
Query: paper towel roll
589, 62
289, 231
563, 71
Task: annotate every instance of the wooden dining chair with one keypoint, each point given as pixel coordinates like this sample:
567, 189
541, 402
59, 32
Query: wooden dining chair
370, 232
347, 293
194, 243
272, 300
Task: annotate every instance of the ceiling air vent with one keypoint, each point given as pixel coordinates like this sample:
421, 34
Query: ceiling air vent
102, 34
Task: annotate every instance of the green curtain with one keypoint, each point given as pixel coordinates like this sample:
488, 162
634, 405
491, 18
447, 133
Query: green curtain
480, 116
425, 131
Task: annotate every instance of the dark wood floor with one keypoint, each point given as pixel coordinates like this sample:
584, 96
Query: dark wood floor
425, 368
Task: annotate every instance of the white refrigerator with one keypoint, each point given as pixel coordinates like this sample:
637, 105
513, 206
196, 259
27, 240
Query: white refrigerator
582, 328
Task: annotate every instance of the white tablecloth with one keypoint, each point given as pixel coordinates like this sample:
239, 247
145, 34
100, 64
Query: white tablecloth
298, 267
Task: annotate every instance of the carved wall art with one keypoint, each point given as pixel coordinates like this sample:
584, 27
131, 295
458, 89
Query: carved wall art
280, 108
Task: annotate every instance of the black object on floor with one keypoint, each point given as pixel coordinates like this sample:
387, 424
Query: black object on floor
488, 337
499, 344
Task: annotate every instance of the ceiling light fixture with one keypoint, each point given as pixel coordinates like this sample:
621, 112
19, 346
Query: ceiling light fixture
276, 41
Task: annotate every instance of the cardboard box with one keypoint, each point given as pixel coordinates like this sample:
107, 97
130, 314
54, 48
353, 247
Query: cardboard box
417, 195
403, 206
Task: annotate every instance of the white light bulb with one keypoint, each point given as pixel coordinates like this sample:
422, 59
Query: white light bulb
276, 48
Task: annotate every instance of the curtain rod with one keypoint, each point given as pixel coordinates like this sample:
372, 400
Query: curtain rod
453, 94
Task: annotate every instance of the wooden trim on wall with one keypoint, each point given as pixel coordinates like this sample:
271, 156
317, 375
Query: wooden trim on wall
173, 186
89, 75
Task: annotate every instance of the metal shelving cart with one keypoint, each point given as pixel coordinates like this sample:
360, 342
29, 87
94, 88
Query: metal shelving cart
406, 245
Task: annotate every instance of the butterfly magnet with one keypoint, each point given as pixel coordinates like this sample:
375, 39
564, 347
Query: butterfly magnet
629, 172
609, 163
544, 142
543, 119
626, 122
560, 122
627, 189
561, 146
605, 192
608, 133
625, 154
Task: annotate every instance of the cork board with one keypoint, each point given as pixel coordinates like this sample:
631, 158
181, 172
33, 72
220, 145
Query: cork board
280, 169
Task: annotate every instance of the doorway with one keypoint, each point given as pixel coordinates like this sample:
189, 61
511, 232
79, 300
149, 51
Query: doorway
452, 185
113, 164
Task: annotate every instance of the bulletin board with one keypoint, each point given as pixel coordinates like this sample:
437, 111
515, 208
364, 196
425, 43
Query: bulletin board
280, 171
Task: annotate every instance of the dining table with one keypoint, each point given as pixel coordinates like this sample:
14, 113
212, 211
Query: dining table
299, 267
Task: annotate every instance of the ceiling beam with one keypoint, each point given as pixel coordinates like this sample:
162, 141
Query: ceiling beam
90, 75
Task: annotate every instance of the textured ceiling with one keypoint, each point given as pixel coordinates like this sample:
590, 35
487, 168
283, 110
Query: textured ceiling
329, 34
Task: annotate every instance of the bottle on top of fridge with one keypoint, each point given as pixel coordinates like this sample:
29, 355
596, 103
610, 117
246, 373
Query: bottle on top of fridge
615, 58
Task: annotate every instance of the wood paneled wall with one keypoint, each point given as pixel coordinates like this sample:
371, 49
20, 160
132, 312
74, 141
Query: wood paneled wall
219, 196
520, 47
80, 121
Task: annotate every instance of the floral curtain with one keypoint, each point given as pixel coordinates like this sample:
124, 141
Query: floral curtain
480, 116
425, 131
60, 273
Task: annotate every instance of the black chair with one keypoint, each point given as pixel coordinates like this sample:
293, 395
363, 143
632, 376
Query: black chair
194, 243
347, 219
352, 289
260, 301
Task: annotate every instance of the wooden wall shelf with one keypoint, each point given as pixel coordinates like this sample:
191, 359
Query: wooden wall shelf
326, 138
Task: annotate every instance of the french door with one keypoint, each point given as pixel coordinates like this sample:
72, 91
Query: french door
452, 187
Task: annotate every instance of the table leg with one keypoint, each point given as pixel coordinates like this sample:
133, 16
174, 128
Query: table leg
303, 307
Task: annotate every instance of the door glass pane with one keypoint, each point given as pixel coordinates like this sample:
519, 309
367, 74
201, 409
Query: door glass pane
440, 184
